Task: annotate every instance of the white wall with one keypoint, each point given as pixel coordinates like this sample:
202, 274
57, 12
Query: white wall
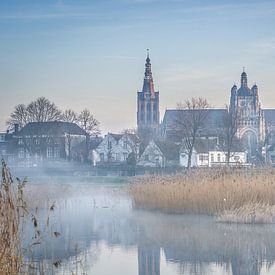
184, 159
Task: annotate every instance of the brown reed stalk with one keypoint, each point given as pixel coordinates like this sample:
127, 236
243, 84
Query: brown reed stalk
12, 207
204, 192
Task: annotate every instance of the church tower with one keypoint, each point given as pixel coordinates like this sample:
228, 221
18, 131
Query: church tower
246, 102
148, 102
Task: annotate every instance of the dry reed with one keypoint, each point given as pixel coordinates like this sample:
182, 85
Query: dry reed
12, 207
205, 192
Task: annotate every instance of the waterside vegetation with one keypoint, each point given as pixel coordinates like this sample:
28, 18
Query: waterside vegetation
229, 195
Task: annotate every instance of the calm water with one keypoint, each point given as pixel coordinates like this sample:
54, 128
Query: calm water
101, 234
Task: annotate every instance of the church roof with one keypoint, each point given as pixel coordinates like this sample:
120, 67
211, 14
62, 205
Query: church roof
269, 116
214, 117
56, 128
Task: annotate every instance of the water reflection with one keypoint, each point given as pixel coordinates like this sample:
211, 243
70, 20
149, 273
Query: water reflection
96, 222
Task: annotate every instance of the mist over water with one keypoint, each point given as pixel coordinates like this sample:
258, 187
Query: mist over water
101, 233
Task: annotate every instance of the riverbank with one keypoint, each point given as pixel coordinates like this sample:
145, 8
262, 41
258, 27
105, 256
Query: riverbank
232, 196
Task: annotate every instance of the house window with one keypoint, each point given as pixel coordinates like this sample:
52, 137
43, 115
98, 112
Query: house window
20, 141
101, 156
125, 144
21, 153
117, 157
56, 152
28, 155
146, 157
212, 157
49, 152
157, 161
200, 157
109, 145
125, 156
2, 138
219, 157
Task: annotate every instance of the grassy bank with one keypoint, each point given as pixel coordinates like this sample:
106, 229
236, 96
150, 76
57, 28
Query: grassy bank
222, 193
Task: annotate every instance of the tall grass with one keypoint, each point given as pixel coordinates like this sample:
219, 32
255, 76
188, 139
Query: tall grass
204, 192
12, 207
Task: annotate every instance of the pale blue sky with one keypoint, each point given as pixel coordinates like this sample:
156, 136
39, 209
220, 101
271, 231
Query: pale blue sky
92, 53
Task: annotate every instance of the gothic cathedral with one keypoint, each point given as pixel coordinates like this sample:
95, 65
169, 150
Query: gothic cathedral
148, 102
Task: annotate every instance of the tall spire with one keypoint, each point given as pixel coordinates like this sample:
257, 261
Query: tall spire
243, 78
148, 84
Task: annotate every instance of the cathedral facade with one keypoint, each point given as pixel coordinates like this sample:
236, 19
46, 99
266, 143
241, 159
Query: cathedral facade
148, 102
245, 101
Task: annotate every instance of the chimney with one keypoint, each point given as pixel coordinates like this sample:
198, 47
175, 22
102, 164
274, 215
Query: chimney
16, 128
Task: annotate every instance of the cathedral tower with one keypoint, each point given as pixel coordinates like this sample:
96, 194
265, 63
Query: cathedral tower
148, 102
246, 102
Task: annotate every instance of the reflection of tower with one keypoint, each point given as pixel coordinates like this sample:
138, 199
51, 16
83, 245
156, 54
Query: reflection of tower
148, 102
148, 260
246, 265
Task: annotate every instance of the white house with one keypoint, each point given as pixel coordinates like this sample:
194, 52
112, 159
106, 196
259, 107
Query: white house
218, 158
152, 156
116, 148
159, 154
208, 154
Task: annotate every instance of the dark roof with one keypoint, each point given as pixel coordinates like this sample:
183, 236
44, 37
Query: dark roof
93, 143
269, 116
116, 136
213, 122
214, 117
57, 128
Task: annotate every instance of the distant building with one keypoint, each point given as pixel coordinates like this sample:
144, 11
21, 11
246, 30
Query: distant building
257, 126
8, 144
148, 103
208, 153
117, 148
159, 154
48, 141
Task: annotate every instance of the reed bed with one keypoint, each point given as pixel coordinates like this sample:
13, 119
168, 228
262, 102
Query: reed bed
12, 208
208, 192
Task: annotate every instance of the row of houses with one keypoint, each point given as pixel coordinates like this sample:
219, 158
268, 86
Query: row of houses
50, 142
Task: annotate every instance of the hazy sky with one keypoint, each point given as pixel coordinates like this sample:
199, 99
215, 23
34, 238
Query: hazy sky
92, 53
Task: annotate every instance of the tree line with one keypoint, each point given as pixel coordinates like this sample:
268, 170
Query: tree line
44, 110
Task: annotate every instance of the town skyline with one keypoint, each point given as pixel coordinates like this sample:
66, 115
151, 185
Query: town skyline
75, 64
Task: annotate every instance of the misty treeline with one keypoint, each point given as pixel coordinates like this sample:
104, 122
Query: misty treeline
43, 110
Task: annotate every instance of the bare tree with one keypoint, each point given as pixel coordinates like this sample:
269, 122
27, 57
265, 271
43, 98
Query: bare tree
69, 116
230, 128
88, 123
19, 116
190, 119
39, 110
43, 110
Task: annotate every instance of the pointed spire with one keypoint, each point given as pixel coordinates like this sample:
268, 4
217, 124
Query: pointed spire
148, 84
243, 78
